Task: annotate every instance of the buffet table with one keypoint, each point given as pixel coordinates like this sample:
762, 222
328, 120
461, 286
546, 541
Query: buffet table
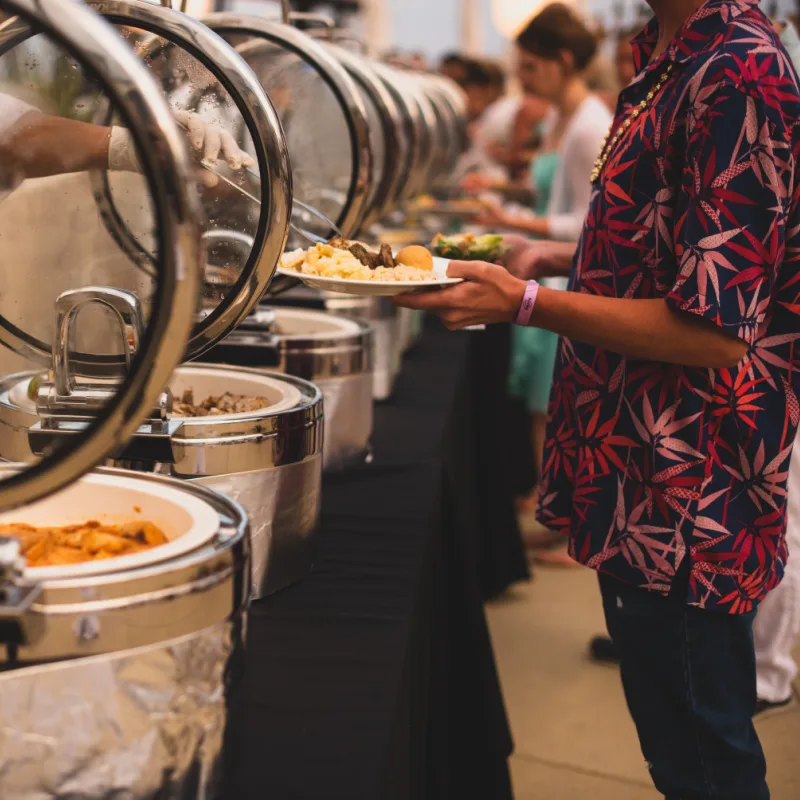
374, 678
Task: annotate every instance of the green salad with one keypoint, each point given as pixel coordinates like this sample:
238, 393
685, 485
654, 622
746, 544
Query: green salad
466, 247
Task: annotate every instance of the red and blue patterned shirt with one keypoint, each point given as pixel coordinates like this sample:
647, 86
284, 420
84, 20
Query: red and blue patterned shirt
648, 464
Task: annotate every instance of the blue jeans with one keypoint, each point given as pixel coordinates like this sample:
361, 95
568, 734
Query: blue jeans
690, 682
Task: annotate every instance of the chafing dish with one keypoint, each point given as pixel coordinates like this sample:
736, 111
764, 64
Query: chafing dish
149, 651
333, 351
379, 312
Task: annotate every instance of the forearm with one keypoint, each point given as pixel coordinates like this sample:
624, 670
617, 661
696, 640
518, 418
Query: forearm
533, 226
641, 329
40, 145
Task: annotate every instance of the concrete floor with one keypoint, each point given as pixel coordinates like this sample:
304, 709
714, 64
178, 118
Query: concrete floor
574, 739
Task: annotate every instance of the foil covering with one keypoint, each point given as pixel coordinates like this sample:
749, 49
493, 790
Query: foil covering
283, 505
348, 419
134, 725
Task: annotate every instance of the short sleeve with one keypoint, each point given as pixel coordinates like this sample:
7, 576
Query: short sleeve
730, 218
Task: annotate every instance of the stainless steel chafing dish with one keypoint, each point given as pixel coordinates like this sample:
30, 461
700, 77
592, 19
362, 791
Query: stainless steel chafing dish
334, 352
378, 312
258, 460
117, 676
150, 652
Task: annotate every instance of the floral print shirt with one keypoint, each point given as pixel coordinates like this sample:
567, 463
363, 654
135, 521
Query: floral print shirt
648, 464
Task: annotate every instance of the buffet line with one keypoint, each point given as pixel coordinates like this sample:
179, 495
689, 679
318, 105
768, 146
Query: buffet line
173, 380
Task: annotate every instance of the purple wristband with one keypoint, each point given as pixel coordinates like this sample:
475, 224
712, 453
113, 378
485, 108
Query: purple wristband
528, 303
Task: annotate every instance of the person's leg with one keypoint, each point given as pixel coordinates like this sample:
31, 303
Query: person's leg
689, 680
777, 623
775, 633
538, 436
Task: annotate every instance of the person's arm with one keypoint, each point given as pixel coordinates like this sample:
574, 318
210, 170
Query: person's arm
729, 238
38, 145
531, 259
644, 329
495, 216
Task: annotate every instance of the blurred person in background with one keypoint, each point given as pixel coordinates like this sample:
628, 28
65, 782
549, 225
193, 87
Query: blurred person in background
500, 134
454, 67
483, 84
554, 51
625, 63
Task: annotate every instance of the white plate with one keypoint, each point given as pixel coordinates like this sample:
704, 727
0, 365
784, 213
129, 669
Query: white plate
377, 288
187, 521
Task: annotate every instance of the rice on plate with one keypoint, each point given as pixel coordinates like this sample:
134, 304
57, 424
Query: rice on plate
324, 261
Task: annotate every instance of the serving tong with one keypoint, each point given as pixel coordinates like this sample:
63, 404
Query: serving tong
311, 237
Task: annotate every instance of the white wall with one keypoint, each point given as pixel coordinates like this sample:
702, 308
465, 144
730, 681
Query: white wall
432, 26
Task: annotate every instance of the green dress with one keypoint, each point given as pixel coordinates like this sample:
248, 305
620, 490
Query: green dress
533, 351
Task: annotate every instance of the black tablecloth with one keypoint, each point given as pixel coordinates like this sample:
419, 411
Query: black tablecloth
374, 678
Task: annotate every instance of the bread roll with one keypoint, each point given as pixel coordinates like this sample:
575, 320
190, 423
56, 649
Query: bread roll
415, 256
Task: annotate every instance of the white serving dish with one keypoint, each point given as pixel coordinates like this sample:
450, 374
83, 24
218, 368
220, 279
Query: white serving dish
188, 522
205, 382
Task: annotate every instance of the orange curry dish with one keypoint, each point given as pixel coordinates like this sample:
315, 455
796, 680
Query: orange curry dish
88, 541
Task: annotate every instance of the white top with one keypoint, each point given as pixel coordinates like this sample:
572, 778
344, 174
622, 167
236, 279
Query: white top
791, 41
572, 188
496, 124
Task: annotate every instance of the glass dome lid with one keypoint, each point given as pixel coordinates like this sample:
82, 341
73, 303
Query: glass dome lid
246, 187
322, 113
71, 296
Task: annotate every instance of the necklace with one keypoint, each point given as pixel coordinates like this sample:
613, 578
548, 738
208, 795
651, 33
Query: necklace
608, 146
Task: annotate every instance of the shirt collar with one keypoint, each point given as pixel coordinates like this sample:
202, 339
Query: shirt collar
695, 35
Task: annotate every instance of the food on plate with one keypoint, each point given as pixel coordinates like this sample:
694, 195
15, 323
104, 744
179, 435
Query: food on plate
216, 406
467, 247
351, 261
424, 201
415, 256
369, 258
88, 541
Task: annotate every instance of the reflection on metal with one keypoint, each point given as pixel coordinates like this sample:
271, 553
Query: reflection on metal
127, 311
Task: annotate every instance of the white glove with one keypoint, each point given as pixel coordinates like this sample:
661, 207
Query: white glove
122, 152
211, 140
205, 139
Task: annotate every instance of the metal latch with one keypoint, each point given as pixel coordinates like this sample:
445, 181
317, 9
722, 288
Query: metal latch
17, 626
79, 389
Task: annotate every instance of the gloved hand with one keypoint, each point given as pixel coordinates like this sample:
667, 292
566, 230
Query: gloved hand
211, 140
206, 140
